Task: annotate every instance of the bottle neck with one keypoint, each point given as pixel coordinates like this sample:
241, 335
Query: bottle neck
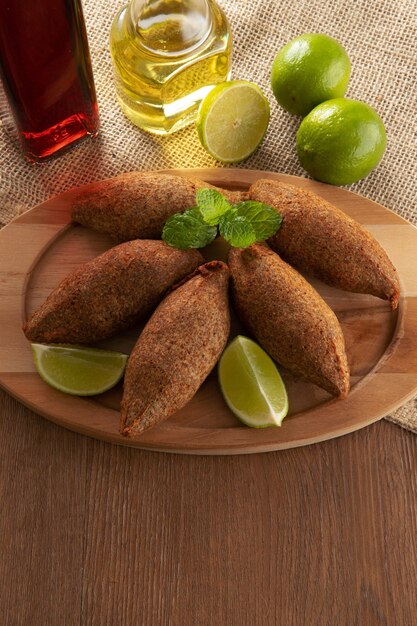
171, 27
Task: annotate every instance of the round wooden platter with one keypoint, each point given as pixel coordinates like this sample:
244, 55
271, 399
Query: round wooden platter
42, 246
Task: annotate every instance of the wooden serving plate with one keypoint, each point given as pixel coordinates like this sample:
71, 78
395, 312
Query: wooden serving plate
42, 246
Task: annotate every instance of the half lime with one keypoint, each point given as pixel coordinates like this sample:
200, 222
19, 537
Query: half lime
232, 120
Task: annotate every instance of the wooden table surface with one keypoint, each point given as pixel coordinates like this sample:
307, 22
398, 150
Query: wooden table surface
92, 533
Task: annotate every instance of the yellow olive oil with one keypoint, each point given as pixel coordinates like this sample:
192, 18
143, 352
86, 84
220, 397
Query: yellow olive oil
167, 55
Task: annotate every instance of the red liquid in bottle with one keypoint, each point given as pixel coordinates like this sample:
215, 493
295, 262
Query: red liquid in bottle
46, 70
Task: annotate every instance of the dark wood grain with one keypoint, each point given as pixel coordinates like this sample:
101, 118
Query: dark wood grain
42, 496
95, 534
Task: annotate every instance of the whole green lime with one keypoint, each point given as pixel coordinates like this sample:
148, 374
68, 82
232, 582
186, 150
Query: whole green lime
309, 70
341, 141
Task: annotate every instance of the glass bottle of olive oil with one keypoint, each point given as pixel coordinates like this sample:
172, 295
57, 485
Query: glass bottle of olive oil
167, 54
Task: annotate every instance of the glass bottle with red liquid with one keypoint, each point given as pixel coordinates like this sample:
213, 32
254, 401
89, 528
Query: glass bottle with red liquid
46, 71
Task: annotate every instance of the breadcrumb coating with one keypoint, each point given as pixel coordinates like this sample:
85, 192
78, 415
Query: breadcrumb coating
321, 240
177, 349
110, 293
137, 205
288, 317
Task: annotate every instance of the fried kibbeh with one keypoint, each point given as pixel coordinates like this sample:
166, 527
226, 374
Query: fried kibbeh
178, 348
321, 240
110, 293
136, 205
288, 317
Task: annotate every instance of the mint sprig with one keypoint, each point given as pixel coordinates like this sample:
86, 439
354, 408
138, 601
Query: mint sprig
188, 230
264, 219
240, 225
212, 205
236, 229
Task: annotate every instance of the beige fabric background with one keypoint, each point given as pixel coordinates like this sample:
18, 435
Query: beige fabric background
380, 39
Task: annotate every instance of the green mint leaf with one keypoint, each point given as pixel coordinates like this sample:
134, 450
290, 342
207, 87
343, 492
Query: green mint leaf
237, 230
264, 219
188, 230
212, 205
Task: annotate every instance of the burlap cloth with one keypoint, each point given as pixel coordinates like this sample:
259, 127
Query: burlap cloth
379, 36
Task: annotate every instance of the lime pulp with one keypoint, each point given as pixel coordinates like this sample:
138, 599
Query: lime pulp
251, 384
77, 370
232, 120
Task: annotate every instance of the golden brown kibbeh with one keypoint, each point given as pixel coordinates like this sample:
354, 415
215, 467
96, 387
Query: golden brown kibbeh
136, 205
110, 293
288, 317
178, 348
322, 241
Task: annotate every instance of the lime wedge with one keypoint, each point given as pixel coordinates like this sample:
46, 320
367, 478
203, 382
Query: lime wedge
251, 384
232, 120
78, 371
